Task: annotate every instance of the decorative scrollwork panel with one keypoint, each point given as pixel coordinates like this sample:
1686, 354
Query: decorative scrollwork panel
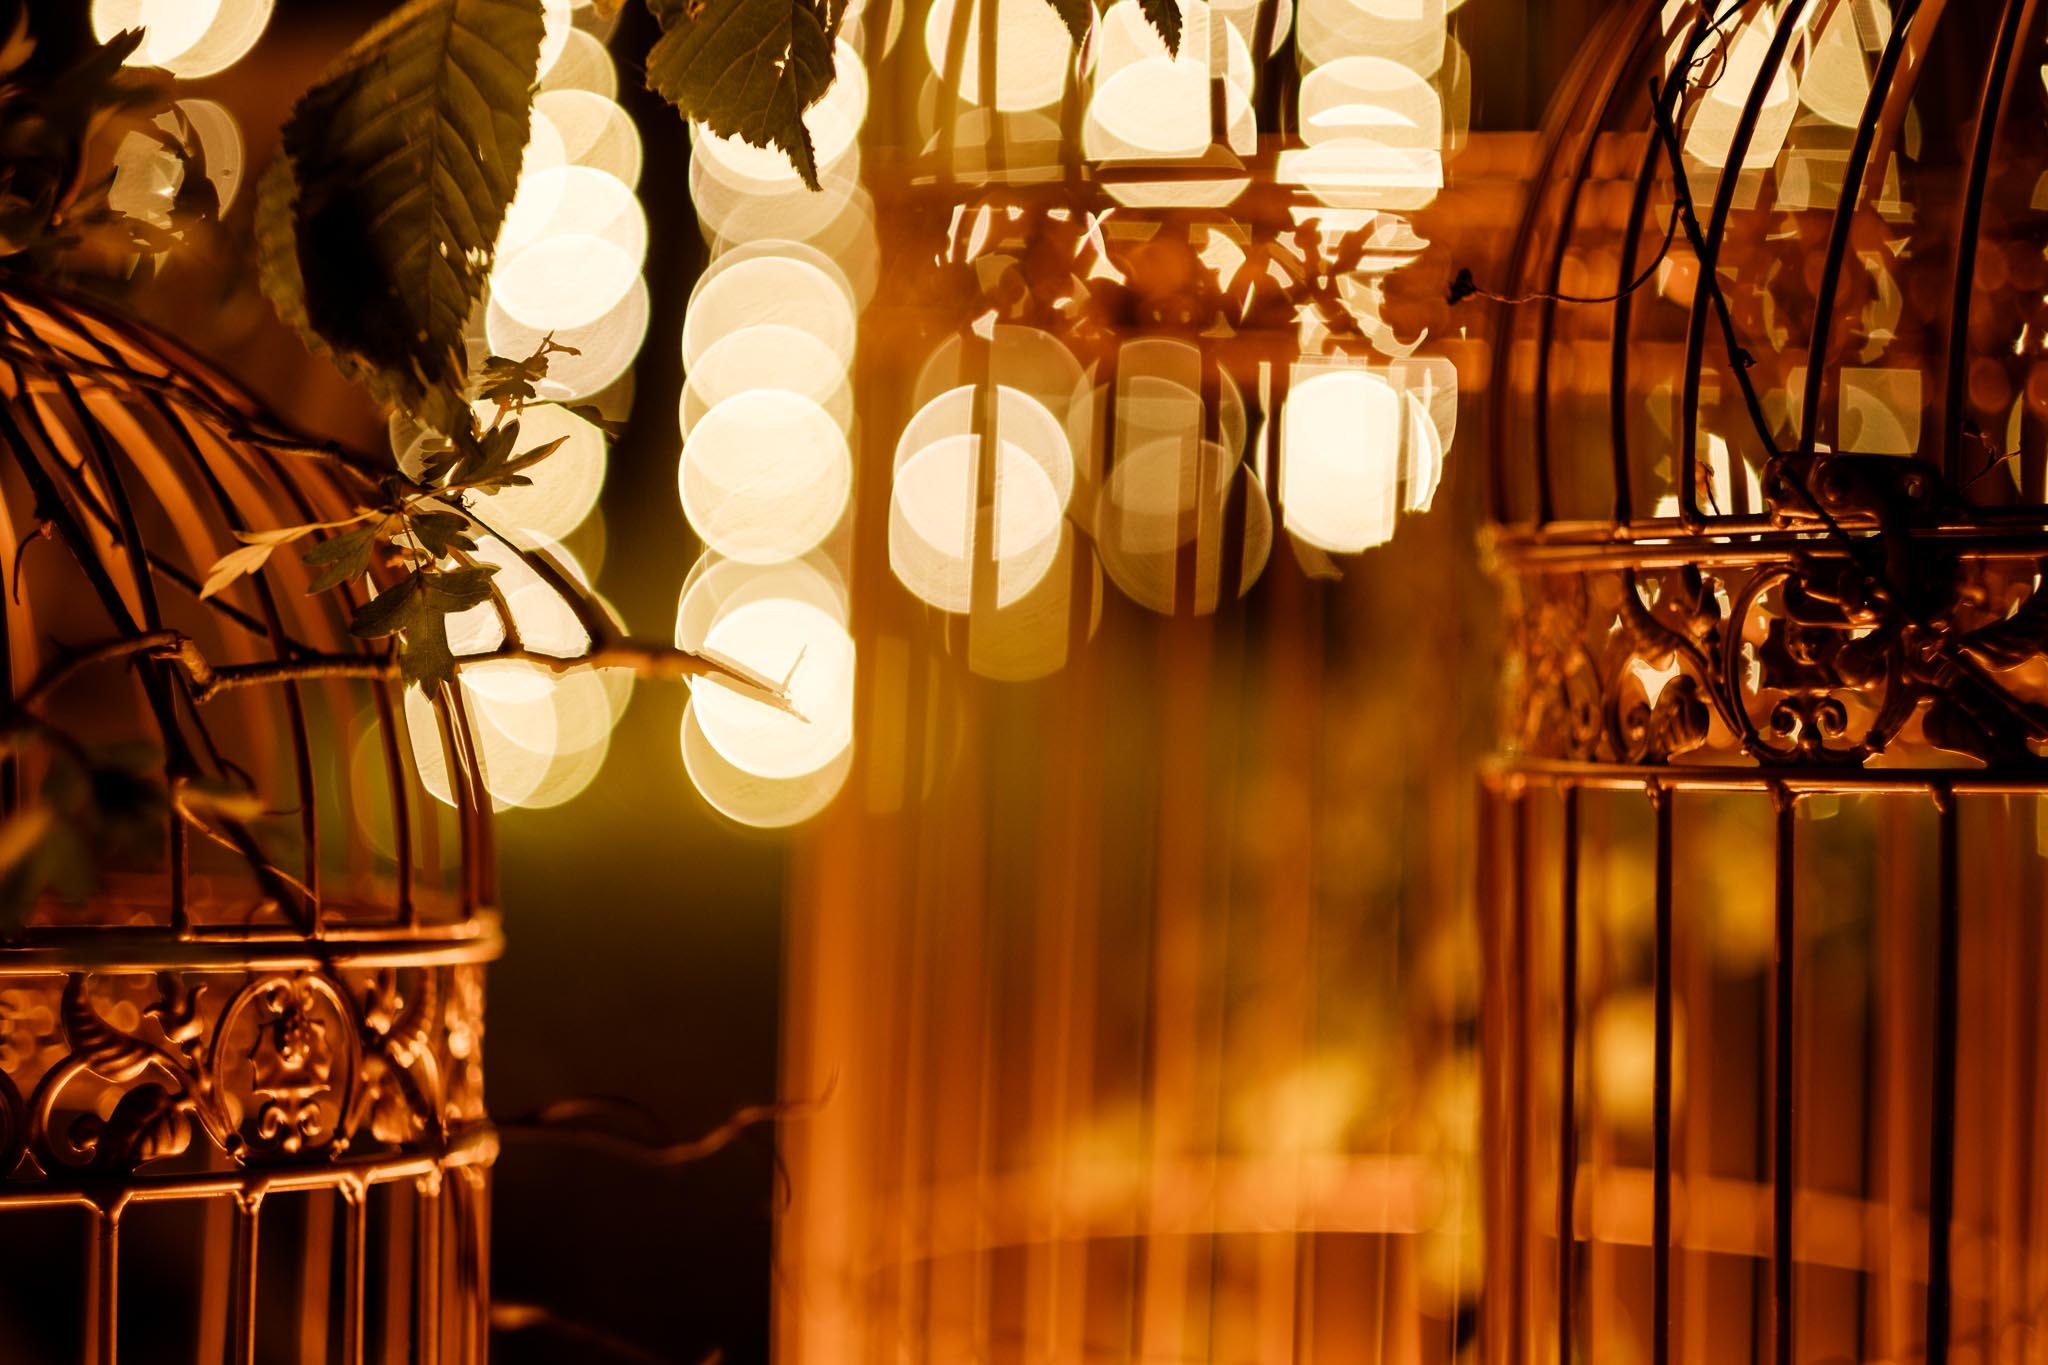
110, 1074
1802, 661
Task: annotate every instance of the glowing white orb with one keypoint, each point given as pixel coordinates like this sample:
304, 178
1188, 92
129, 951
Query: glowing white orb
583, 64
786, 622
1034, 46
767, 356
750, 799
594, 132
1162, 526
556, 23
572, 201
1341, 436
1370, 98
605, 348
933, 522
219, 135
188, 38
565, 484
765, 475
783, 283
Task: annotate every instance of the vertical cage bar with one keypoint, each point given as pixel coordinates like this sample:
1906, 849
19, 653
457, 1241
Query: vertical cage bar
1567, 1125
108, 1284
355, 1214
1519, 1088
1660, 1208
1783, 1180
427, 1271
1941, 1180
1494, 1211
242, 1280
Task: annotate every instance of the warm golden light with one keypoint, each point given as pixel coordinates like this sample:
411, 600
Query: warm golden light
1718, 112
749, 798
934, 525
583, 64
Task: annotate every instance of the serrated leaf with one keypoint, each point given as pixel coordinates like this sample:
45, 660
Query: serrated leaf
746, 68
232, 565
277, 271
406, 154
441, 533
449, 590
389, 611
425, 660
341, 558
424, 657
1165, 17
1077, 15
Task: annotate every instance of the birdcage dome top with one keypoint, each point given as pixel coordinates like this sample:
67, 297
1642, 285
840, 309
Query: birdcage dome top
287, 807
1851, 326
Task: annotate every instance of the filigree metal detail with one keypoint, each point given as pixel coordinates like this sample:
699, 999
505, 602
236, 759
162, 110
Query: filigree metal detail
199, 1070
1800, 662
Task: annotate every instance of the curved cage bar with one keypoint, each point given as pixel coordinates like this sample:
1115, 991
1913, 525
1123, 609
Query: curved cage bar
1764, 855
241, 1105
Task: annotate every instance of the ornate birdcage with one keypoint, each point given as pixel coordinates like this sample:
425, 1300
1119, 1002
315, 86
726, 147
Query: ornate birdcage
241, 1105
1764, 853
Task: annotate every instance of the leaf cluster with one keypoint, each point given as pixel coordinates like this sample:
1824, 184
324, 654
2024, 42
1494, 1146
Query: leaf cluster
419, 527
58, 87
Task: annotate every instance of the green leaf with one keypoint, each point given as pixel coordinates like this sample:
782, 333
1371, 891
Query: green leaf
441, 533
1165, 16
417, 610
747, 68
389, 611
1077, 15
512, 381
406, 155
341, 558
459, 589
425, 659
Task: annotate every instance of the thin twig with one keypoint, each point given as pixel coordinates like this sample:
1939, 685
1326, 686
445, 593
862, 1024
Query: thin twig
645, 659
508, 1315
567, 1122
60, 671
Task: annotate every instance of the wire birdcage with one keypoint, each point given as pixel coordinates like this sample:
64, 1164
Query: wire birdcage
1764, 854
241, 1105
